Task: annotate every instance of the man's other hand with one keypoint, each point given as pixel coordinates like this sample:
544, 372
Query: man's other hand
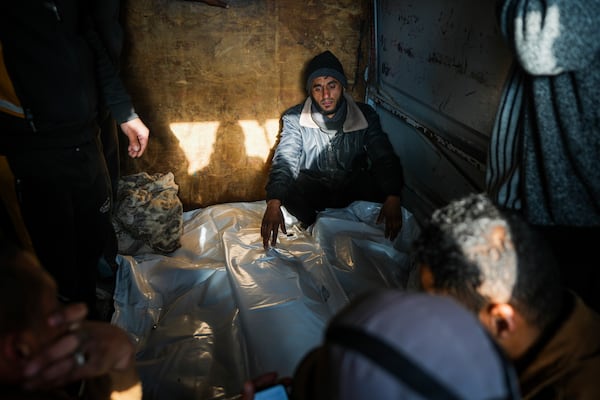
391, 212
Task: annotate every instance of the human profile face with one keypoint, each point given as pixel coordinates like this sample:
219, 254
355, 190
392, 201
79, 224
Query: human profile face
326, 92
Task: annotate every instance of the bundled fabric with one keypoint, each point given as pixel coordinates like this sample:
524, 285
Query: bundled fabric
148, 215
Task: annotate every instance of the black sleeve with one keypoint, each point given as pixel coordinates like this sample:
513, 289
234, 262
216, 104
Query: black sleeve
112, 90
385, 164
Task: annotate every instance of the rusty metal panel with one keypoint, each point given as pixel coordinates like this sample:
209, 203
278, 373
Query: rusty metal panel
440, 70
447, 55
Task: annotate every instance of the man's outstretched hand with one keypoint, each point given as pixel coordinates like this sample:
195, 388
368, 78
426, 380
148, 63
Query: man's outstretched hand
271, 222
391, 212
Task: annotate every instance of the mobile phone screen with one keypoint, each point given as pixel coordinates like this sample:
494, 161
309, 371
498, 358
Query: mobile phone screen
276, 392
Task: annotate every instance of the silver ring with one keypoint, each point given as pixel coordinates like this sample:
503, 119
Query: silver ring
79, 358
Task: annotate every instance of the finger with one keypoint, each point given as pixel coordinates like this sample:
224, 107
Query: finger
56, 367
286, 381
399, 229
282, 224
274, 233
266, 379
68, 315
248, 390
143, 139
264, 233
143, 143
91, 368
61, 349
124, 361
379, 216
396, 230
53, 376
134, 147
134, 143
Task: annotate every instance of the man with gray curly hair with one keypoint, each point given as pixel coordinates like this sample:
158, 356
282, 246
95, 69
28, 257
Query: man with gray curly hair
499, 268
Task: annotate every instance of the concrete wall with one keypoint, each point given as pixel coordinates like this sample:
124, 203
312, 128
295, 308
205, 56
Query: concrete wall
211, 83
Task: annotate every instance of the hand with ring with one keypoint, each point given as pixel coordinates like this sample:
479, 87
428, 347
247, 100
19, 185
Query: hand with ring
51, 367
87, 349
56, 345
79, 358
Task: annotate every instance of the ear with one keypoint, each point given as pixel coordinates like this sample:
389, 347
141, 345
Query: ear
499, 319
426, 278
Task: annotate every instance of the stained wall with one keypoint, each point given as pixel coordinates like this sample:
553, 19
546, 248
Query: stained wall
212, 83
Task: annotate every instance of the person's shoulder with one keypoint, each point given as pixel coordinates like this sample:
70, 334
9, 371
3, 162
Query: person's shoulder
366, 109
582, 322
581, 381
292, 114
294, 110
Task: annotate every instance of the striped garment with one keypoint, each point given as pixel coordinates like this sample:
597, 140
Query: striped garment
502, 173
545, 145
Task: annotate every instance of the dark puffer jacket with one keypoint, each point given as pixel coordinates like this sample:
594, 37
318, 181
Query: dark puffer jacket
361, 142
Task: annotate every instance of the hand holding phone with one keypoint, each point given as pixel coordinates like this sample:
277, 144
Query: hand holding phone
276, 392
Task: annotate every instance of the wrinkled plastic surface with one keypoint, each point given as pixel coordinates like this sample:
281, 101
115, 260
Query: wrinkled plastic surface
221, 309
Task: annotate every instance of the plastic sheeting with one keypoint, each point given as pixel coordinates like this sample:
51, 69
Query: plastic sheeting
222, 309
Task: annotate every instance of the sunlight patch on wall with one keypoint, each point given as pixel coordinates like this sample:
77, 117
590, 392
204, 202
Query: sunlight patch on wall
196, 140
259, 139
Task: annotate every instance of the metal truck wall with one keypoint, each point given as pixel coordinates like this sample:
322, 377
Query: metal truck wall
440, 66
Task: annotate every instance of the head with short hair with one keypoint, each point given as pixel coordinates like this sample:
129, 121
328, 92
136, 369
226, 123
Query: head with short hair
472, 250
324, 64
325, 83
394, 344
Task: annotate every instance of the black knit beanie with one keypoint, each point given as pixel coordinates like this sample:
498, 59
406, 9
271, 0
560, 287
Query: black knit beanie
325, 64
